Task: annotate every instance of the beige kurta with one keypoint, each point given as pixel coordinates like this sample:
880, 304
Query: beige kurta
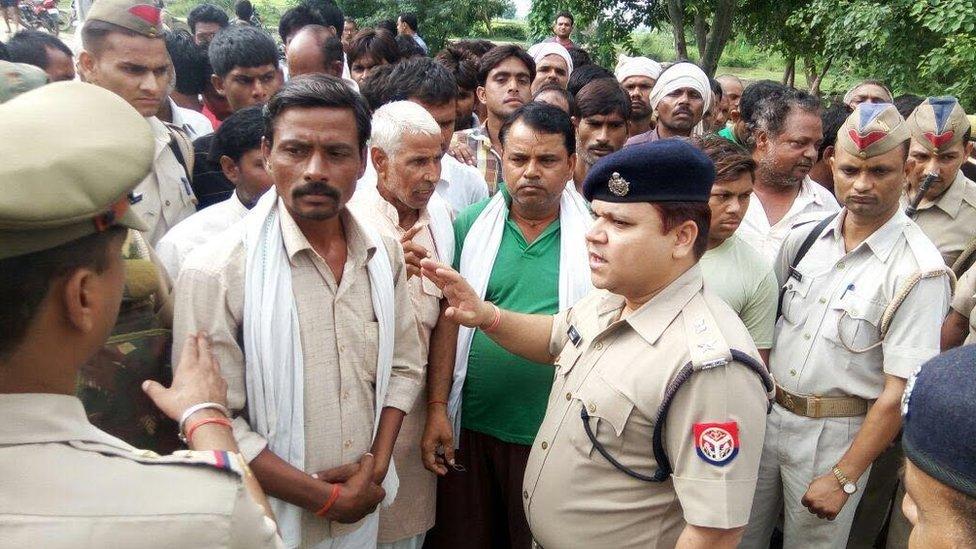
412, 512
950, 220
66, 484
339, 334
619, 370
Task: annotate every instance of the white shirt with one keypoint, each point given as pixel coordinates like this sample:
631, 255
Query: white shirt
164, 197
193, 123
813, 202
837, 300
460, 185
197, 229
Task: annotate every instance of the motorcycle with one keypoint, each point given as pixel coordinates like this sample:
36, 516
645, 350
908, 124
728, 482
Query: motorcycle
40, 13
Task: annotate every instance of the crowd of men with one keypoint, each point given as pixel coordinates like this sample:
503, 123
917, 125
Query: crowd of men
368, 295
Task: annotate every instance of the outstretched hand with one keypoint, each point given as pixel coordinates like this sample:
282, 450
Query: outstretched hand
465, 306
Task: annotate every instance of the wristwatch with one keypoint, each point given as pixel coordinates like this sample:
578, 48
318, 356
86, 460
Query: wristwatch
845, 483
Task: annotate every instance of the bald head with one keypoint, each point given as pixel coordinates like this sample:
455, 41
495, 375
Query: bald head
314, 49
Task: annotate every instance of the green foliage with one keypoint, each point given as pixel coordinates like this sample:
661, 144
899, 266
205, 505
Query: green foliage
602, 27
503, 30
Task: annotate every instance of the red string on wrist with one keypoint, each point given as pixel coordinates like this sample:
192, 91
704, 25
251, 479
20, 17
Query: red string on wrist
216, 420
495, 321
429, 402
336, 489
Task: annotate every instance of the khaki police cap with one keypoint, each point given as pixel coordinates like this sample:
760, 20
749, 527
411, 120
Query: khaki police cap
872, 129
17, 78
72, 153
134, 15
938, 124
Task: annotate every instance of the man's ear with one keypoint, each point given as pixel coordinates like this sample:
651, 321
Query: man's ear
685, 235
828, 151
79, 293
381, 162
481, 94
230, 168
218, 84
335, 68
86, 66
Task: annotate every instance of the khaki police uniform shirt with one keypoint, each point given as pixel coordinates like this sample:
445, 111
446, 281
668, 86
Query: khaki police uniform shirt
964, 301
619, 370
837, 301
66, 484
950, 220
340, 343
412, 512
164, 198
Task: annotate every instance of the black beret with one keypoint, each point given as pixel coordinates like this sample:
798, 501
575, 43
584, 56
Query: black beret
667, 170
940, 419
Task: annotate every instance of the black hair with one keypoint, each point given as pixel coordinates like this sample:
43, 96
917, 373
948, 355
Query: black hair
330, 13
376, 88
543, 118
497, 55
388, 25
906, 103
30, 46
584, 75
477, 48
580, 57
756, 92
295, 18
407, 47
419, 79
244, 10
189, 62
25, 280
832, 118
241, 46
317, 90
716, 89
238, 134
463, 64
602, 97
561, 91
773, 111
332, 50
566, 14
4, 53
206, 13
376, 43
410, 20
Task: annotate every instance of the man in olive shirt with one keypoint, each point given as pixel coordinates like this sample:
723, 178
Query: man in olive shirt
523, 249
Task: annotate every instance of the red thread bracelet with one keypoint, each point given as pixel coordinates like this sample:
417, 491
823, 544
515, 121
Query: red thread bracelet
333, 497
495, 321
429, 402
217, 420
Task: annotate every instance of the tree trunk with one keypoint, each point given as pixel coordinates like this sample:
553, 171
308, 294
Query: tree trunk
815, 85
701, 33
719, 35
810, 69
789, 75
676, 13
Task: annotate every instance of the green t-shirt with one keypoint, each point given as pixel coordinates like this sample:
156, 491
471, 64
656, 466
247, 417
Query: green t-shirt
504, 395
727, 133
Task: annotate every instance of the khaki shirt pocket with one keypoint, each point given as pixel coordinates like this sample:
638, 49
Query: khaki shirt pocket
854, 323
795, 293
371, 350
609, 410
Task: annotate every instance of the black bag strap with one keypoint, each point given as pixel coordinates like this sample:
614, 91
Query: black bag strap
177, 135
805, 246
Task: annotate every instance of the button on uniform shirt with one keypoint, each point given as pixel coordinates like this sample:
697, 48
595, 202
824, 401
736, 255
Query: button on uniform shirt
165, 194
743, 279
193, 231
412, 512
950, 220
619, 370
488, 162
964, 301
838, 301
67, 484
813, 202
339, 335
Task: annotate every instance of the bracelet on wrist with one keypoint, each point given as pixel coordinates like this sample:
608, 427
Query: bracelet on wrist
495, 321
196, 408
429, 402
333, 497
205, 421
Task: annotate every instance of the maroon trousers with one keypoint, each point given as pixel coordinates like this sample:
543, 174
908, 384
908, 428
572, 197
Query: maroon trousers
481, 507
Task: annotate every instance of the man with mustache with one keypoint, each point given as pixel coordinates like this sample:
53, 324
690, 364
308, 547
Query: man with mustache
406, 148
523, 249
505, 76
602, 109
638, 75
592, 478
681, 97
731, 268
553, 65
864, 294
311, 321
786, 132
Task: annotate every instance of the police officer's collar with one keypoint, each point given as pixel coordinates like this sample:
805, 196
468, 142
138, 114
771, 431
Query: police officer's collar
653, 317
38, 418
881, 242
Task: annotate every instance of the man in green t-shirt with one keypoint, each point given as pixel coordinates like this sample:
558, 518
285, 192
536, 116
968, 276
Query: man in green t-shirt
525, 250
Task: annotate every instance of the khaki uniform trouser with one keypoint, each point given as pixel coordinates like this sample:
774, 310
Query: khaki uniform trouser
796, 451
883, 495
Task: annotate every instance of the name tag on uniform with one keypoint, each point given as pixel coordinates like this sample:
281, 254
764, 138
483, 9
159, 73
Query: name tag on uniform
574, 336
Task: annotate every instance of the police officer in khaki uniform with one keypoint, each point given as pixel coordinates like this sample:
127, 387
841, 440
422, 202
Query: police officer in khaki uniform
653, 428
124, 52
62, 223
864, 293
940, 145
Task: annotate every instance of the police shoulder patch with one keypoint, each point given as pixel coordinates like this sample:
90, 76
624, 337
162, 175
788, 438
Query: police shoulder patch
717, 443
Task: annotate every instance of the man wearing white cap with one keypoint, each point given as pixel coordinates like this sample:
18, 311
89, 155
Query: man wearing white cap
552, 65
681, 96
637, 76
